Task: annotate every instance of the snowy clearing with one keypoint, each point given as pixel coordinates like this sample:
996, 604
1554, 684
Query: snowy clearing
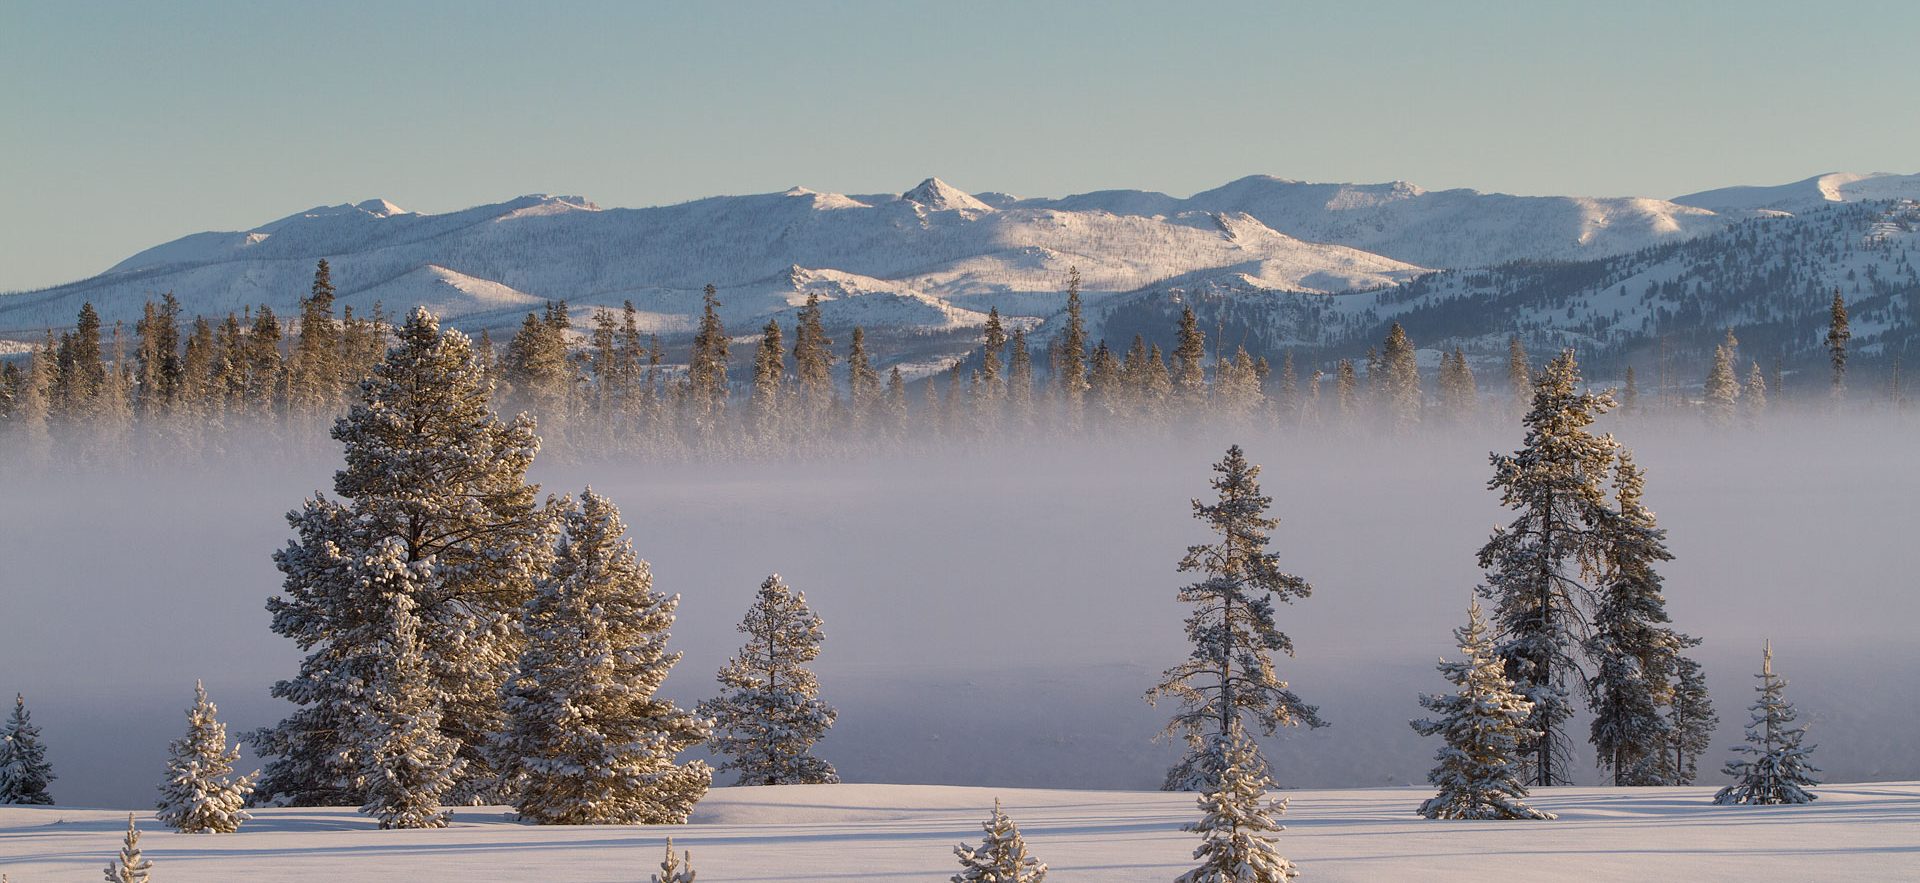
907, 832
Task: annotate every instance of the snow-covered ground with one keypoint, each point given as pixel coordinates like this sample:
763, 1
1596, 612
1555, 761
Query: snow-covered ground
907, 832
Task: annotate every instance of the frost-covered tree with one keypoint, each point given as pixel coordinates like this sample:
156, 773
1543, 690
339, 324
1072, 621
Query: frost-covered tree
1229, 675
1519, 375
1237, 819
201, 795
1070, 356
1189, 365
24, 770
1753, 397
404, 763
1483, 724
588, 740
130, 866
675, 869
1634, 650
1400, 382
1535, 563
1722, 389
1839, 331
1691, 722
1001, 856
429, 467
1771, 768
769, 712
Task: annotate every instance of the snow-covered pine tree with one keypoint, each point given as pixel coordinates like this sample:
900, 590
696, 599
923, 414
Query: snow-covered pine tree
24, 770
1753, 398
1401, 380
1070, 357
406, 764
1483, 723
200, 795
130, 866
1189, 366
769, 712
675, 869
1722, 389
428, 465
1519, 375
1001, 856
1634, 651
1839, 331
1774, 769
588, 740
1691, 722
1237, 819
1230, 673
1534, 564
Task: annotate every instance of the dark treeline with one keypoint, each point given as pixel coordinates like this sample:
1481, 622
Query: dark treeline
174, 387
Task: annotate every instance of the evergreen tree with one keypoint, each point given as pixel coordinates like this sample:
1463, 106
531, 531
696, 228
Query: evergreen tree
769, 713
863, 382
1838, 333
1458, 393
406, 765
1691, 722
1480, 770
158, 356
1070, 355
429, 466
1753, 399
896, 403
1190, 372
130, 866
1630, 395
1534, 564
1519, 375
587, 738
1401, 382
1237, 820
313, 369
813, 362
1019, 382
1230, 672
1346, 389
675, 869
200, 795
24, 770
1634, 651
83, 369
707, 368
1774, 769
1289, 397
769, 375
33, 405
1722, 389
1001, 857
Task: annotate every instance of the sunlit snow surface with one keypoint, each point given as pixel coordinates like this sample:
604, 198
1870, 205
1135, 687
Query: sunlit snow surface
906, 832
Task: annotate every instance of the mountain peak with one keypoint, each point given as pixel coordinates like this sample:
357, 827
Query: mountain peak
380, 208
937, 195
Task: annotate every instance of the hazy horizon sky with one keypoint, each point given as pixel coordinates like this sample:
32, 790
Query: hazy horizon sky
128, 125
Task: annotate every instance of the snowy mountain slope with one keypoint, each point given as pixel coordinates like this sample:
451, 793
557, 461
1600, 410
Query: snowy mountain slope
1813, 193
1770, 278
917, 249
907, 832
1448, 228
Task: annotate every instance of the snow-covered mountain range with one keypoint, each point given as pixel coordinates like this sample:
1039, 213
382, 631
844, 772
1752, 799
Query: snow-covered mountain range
928, 262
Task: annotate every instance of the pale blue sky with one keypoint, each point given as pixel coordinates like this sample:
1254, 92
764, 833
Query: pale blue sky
123, 125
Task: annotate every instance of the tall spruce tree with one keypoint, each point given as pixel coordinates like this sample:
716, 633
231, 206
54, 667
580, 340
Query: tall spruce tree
1020, 406
769, 377
1753, 396
1483, 723
1634, 650
24, 770
1721, 390
1519, 375
1691, 722
1190, 371
813, 363
1237, 821
707, 368
1536, 563
429, 466
1070, 356
1401, 380
200, 794
588, 740
406, 765
1839, 331
1229, 675
1771, 768
769, 712
314, 368
863, 382
1001, 856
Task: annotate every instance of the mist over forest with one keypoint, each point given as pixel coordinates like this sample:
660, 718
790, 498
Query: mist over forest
994, 612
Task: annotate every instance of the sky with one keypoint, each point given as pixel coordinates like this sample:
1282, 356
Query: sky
130, 124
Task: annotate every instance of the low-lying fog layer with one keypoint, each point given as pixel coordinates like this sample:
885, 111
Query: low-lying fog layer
993, 617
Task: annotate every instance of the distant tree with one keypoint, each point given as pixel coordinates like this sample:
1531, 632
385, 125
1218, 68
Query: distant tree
1483, 725
130, 866
1020, 406
1070, 355
1519, 375
1189, 368
1288, 398
1838, 333
707, 367
769, 712
769, 375
863, 382
24, 770
588, 738
1753, 398
675, 869
1722, 389
813, 362
1237, 820
1001, 857
1772, 767
1346, 388
1534, 564
200, 794
1630, 395
314, 368
1230, 672
1401, 381
1459, 394
83, 369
